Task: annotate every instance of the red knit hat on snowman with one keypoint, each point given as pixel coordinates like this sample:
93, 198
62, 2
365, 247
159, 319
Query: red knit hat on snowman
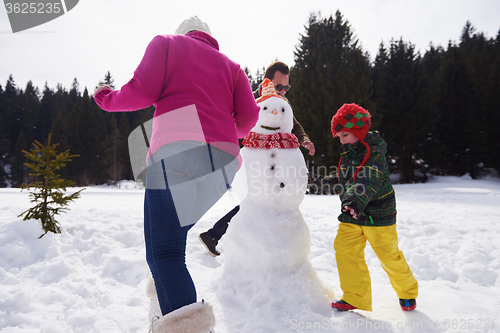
354, 119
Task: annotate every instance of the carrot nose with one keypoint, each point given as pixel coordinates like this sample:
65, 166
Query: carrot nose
275, 112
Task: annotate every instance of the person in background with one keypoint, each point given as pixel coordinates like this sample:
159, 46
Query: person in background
278, 72
203, 103
368, 214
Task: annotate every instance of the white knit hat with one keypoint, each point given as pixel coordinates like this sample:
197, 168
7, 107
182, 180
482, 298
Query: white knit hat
192, 24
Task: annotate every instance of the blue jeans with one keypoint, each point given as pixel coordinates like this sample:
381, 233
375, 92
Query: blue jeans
191, 174
220, 227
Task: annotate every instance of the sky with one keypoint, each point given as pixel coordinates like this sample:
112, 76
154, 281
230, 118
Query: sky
99, 36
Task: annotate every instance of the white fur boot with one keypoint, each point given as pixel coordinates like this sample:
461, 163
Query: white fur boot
154, 305
193, 318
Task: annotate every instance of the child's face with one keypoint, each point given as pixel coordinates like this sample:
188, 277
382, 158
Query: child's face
347, 138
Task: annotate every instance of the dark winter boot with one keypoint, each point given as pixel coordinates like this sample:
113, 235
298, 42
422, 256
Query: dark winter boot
342, 306
210, 243
408, 304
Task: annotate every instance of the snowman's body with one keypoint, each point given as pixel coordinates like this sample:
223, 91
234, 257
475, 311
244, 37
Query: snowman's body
266, 247
269, 224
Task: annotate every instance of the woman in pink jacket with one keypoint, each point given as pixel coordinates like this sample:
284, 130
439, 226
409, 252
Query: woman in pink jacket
203, 103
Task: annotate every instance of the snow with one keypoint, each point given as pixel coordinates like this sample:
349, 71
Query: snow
93, 276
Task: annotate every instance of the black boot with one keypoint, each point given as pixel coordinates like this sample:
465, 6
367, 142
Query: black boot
210, 243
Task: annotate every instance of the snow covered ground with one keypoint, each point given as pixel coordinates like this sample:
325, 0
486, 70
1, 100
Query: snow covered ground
92, 277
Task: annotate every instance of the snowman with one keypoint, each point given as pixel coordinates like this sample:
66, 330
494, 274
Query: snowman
271, 185
267, 244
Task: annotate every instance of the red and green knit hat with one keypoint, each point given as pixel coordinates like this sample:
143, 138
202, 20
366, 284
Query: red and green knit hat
354, 119
351, 118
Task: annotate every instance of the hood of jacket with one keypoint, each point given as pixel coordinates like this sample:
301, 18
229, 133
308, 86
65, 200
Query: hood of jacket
373, 139
204, 37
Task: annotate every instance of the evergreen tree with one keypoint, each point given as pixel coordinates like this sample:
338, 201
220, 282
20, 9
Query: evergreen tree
4, 142
47, 113
115, 146
85, 134
64, 103
407, 119
141, 116
108, 80
431, 64
123, 153
74, 93
113, 142
29, 104
491, 96
378, 68
470, 41
257, 80
471, 48
454, 98
475, 54
249, 75
330, 69
18, 171
50, 199
59, 132
11, 115
2, 100
111, 151
10, 88
98, 133
446, 101
60, 128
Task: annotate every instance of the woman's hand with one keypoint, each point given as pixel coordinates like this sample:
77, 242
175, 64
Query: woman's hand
102, 87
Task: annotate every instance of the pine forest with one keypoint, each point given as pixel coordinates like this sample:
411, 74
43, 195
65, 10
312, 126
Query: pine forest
439, 111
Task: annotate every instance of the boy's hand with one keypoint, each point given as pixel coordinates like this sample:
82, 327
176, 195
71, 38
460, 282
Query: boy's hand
351, 211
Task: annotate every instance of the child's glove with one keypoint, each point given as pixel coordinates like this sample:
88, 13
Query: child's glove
351, 208
351, 211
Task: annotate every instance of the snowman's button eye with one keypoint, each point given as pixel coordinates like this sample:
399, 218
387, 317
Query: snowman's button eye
283, 110
265, 108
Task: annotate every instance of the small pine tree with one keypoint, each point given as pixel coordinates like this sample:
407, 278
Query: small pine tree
50, 198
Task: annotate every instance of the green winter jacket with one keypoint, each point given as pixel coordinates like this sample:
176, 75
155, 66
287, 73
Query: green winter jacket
372, 195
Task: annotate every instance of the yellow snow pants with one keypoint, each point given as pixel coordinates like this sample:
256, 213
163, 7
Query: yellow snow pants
354, 276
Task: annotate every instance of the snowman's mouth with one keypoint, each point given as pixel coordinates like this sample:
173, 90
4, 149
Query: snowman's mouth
270, 128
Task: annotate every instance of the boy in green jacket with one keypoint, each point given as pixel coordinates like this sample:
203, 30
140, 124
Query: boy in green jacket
368, 214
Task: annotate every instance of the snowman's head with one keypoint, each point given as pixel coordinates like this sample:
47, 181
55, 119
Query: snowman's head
275, 116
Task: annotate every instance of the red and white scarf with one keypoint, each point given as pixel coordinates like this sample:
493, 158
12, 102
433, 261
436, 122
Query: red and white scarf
268, 141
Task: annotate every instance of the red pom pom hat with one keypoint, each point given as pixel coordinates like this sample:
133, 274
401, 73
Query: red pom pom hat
354, 119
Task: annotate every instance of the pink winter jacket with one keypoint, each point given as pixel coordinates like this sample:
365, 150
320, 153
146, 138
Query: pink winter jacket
183, 73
